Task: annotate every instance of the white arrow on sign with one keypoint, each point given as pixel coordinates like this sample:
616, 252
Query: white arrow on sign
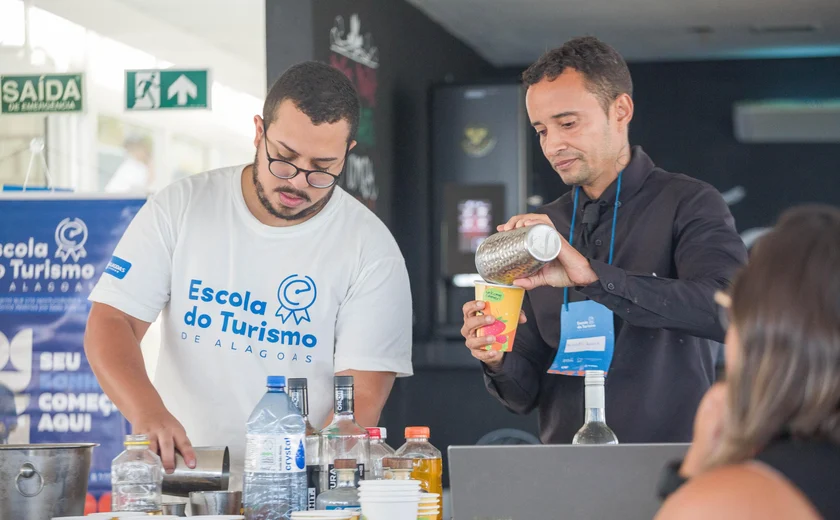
183, 88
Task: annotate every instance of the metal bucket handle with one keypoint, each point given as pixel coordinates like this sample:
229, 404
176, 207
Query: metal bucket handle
28, 471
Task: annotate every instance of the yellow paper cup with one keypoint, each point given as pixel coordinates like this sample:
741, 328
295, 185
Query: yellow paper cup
503, 302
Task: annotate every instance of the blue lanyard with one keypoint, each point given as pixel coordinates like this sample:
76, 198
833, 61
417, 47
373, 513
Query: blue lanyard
612, 235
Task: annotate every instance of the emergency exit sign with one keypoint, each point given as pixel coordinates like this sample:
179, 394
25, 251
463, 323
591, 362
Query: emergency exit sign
45, 93
164, 89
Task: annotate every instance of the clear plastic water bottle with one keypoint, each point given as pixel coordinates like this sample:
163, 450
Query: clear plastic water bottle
136, 477
275, 456
378, 451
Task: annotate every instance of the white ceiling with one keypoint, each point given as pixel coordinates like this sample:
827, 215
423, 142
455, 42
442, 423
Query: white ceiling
234, 26
516, 32
226, 36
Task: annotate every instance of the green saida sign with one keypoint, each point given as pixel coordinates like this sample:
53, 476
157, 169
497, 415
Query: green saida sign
44, 93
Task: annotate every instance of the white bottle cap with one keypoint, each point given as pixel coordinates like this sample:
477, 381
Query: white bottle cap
593, 390
594, 377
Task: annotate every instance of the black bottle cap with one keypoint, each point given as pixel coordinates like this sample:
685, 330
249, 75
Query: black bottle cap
343, 381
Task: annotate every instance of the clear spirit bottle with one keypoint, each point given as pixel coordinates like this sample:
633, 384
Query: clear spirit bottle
594, 429
343, 438
299, 393
344, 495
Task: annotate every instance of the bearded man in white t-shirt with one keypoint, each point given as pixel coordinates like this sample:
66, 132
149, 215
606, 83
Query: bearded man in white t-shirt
263, 269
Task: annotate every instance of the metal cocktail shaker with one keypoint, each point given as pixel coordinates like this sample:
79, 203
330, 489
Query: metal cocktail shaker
211, 472
518, 253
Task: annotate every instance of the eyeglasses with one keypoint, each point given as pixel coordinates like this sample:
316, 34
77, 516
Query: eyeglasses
724, 301
283, 169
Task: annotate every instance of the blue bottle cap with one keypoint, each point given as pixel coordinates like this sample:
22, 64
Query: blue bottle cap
276, 381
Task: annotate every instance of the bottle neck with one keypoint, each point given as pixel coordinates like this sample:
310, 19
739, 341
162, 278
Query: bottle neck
344, 401
300, 398
595, 415
346, 478
401, 474
276, 390
595, 403
136, 447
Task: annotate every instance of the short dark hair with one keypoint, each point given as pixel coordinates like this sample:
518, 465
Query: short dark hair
603, 68
320, 91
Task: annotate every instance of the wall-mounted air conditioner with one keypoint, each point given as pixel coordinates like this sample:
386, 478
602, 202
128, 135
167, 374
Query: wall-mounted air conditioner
787, 121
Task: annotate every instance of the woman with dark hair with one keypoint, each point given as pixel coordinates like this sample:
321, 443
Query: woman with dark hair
767, 441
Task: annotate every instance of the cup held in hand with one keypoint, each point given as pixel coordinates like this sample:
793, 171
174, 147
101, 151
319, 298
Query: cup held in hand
503, 302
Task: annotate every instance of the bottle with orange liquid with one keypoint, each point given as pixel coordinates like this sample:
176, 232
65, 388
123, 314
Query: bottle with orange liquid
428, 465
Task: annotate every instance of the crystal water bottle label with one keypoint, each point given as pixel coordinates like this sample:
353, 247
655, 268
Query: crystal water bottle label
275, 453
344, 508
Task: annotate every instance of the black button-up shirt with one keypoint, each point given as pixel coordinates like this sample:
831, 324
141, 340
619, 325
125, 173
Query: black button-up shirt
675, 246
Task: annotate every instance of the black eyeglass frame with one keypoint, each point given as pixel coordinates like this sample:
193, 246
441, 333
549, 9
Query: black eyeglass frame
298, 170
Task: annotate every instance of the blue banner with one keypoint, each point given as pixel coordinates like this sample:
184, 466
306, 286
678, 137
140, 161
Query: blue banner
53, 249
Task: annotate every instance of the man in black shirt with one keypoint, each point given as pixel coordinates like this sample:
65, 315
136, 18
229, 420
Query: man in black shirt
674, 245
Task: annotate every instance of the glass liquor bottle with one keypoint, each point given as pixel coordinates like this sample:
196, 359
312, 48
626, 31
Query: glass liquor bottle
343, 438
345, 495
594, 429
299, 393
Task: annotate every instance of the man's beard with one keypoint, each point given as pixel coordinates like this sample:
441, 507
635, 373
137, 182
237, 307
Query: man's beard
577, 178
300, 215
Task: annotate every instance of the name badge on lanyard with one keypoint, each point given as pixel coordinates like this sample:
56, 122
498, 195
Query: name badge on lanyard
587, 332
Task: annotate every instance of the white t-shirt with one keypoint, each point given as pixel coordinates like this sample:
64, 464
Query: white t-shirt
242, 300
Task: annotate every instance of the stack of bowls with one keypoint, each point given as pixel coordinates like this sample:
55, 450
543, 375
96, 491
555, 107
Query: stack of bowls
389, 499
429, 507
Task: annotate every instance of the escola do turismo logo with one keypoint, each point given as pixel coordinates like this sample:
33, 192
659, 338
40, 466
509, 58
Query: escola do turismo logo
296, 295
244, 318
29, 266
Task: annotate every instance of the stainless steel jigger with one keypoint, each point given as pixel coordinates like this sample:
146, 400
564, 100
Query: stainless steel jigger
211, 472
518, 253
